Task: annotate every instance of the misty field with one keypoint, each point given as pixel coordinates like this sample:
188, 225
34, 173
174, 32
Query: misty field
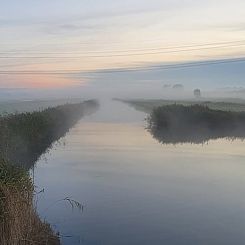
14, 106
225, 105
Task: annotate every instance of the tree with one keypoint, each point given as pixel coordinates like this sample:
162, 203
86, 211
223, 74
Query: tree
197, 93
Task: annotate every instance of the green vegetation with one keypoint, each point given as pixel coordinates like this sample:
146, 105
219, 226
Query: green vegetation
197, 124
226, 105
24, 137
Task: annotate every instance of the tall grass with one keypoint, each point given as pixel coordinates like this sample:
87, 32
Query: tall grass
19, 221
25, 136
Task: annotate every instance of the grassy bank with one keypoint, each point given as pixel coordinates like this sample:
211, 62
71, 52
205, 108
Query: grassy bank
24, 137
197, 124
19, 221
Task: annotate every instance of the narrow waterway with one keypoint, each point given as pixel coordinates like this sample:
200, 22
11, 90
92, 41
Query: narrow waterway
135, 190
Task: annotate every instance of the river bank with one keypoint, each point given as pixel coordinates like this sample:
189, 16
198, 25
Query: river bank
148, 105
24, 137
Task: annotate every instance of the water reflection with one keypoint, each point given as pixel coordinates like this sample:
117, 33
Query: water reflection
136, 191
195, 136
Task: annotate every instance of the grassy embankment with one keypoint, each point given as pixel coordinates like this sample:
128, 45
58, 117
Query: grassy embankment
180, 121
24, 137
195, 124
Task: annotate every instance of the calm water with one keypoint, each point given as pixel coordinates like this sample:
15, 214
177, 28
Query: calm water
137, 191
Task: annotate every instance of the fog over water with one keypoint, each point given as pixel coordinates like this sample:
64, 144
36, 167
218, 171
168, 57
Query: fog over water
115, 177
138, 191
215, 80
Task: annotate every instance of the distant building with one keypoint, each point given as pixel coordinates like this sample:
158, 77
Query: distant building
197, 93
166, 85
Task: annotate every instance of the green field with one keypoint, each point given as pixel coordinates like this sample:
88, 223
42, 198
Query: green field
226, 105
16, 106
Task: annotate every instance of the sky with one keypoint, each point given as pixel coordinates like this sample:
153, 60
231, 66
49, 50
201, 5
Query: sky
82, 37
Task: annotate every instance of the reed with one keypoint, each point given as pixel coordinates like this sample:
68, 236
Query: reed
19, 221
194, 124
